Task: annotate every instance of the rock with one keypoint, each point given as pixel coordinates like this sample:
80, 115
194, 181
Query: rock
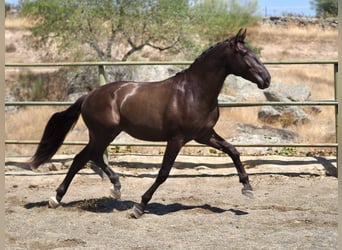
226, 98
285, 115
268, 132
147, 73
88, 78
140, 73
11, 48
244, 90
9, 97
299, 92
274, 96
269, 114
294, 116
301, 21
253, 134
74, 96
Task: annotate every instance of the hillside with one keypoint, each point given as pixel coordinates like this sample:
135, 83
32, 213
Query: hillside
279, 41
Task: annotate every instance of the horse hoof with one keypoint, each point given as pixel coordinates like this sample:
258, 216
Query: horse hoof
248, 193
115, 194
53, 203
136, 212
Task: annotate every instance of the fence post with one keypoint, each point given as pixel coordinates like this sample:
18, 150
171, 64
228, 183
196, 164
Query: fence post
2, 123
102, 81
102, 78
338, 119
96, 169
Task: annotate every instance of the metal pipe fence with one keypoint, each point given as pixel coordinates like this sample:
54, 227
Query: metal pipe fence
101, 70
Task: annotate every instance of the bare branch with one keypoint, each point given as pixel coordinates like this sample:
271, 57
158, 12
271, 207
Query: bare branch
133, 49
96, 47
163, 48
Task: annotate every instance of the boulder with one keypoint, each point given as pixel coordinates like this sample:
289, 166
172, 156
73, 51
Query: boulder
84, 80
269, 114
279, 91
243, 89
285, 115
226, 98
253, 134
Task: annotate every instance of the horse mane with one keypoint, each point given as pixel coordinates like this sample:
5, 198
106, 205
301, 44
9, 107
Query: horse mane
237, 38
204, 53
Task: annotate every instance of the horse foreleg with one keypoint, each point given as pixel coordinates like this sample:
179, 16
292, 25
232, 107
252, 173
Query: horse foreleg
217, 142
172, 149
79, 161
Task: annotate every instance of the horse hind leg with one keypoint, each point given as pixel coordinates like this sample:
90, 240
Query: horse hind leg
93, 151
78, 163
115, 190
100, 146
98, 170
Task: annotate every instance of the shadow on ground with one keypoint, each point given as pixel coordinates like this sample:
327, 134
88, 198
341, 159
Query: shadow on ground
108, 205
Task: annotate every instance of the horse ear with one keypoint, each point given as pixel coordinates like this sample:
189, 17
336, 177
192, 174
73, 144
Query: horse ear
243, 35
240, 36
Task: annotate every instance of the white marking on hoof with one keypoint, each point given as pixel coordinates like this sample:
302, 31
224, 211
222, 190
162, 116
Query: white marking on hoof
115, 194
136, 212
53, 203
248, 193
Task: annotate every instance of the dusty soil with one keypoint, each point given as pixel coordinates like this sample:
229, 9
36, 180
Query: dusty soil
199, 207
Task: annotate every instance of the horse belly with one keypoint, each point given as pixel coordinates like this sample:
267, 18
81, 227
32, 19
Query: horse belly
144, 124
144, 128
146, 134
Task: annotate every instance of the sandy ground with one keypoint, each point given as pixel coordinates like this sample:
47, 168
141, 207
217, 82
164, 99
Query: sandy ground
199, 207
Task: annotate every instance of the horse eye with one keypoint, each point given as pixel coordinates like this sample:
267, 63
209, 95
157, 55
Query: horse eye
243, 52
247, 59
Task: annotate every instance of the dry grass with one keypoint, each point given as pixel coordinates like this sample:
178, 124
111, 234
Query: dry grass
266, 32
15, 23
28, 123
281, 43
278, 43
320, 78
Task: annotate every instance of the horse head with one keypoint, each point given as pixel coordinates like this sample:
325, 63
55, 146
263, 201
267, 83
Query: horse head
245, 63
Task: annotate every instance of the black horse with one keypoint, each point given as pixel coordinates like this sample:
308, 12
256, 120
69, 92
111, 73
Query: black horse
176, 110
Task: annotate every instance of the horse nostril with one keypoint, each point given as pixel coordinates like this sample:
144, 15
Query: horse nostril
268, 79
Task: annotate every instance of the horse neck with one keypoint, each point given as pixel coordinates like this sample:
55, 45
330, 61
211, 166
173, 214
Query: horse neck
207, 76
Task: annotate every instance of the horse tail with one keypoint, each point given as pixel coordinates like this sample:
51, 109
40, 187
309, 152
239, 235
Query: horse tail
55, 132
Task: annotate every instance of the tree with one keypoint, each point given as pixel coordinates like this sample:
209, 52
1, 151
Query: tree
7, 9
133, 24
325, 8
102, 24
221, 17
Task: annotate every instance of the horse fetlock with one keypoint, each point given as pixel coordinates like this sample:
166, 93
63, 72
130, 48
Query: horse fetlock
244, 179
53, 202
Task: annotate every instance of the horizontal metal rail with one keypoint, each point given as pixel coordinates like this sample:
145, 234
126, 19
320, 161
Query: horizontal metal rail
162, 144
128, 63
221, 104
